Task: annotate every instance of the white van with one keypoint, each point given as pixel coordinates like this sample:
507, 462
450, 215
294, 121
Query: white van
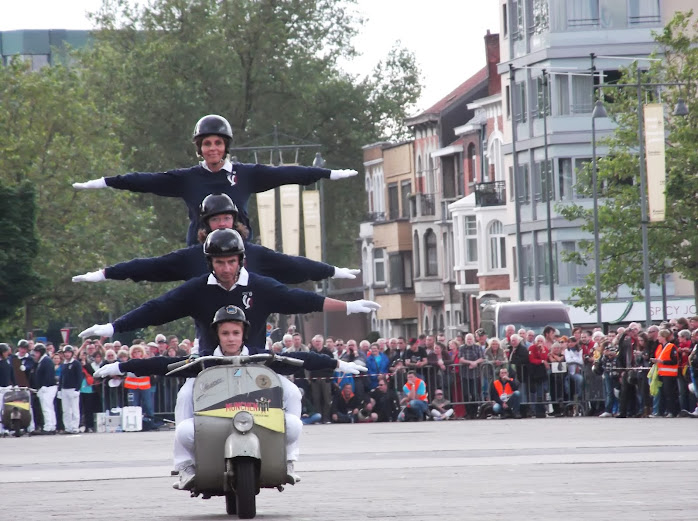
527, 315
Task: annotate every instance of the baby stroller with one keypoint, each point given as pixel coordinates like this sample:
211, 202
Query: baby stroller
16, 410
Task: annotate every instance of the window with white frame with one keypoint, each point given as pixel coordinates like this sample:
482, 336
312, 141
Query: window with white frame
415, 255
494, 151
431, 176
582, 14
565, 179
470, 233
430, 253
573, 94
472, 163
379, 266
520, 108
497, 238
643, 11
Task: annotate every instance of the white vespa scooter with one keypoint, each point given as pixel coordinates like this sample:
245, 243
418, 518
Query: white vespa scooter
239, 428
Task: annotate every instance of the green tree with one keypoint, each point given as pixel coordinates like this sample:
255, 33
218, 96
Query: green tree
261, 64
18, 246
673, 242
52, 131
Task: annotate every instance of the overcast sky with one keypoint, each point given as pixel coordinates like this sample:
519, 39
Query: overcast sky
446, 35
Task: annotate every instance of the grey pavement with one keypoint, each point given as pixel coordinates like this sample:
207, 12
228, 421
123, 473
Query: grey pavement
547, 469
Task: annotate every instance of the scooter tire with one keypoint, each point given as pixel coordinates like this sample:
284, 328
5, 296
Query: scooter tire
245, 487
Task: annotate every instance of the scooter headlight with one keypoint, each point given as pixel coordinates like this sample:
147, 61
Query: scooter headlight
243, 421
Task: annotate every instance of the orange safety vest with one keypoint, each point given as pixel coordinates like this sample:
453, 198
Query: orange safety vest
664, 366
417, 381
503, 388
137, 382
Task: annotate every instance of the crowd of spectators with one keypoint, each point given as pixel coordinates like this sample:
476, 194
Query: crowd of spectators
626, 372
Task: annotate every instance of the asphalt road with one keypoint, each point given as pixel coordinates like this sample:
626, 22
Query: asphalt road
548, 469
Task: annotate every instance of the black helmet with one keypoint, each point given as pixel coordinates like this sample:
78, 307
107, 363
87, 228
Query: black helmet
68, 348
4, 348
216, 204
23, 343
40, 348
224, 243
231, 314
213, 125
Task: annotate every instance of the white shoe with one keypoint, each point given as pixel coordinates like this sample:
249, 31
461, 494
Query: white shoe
187, 477
291, 477
605, 415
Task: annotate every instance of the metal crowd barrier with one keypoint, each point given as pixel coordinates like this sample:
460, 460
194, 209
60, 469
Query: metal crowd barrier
466, 389
162, 395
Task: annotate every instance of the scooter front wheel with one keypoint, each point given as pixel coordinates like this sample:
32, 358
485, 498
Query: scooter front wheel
245, 472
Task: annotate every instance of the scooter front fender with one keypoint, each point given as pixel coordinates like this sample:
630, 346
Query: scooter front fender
238, 444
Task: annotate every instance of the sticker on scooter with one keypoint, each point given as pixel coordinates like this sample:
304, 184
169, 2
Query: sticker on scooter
263, 381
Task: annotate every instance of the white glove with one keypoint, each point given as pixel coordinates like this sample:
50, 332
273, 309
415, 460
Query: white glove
91, 276
345, 273
93, 184
108, 370
98, 330
342, 174
361, 306
350, 367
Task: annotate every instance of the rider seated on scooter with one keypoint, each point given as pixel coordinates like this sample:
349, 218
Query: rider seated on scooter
230, 325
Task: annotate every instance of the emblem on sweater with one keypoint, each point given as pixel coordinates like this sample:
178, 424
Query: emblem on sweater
232, 177
247, 299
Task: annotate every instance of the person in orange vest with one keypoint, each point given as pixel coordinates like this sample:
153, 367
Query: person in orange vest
138, 386
415, 399
506, 395
668, 369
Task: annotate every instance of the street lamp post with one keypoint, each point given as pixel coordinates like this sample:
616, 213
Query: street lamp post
517, 183
548, 186
599, 112
319, 162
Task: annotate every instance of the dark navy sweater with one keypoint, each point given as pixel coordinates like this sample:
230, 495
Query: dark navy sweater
195, 183
71, 375
7, 374
200, 300
190, 262
45, 375
158, 365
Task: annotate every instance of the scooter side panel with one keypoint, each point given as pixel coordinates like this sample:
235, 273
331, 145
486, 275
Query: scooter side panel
219, 394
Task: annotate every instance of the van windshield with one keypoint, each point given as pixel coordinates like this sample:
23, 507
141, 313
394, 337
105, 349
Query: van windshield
565, 328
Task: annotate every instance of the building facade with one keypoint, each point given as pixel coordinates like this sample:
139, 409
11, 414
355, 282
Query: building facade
548, 91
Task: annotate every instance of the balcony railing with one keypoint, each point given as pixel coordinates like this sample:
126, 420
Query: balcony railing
491, 194
375, 217
422, 205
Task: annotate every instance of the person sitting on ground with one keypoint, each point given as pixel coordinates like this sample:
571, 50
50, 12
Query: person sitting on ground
308, 413
440, 408
383, 402
345, 406
505, 393
415, 399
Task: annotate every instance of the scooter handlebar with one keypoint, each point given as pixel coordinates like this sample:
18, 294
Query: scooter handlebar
177, 365
234, 360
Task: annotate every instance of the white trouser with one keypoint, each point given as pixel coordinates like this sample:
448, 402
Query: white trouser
184, 433
70, 399
184, 410
46, 396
